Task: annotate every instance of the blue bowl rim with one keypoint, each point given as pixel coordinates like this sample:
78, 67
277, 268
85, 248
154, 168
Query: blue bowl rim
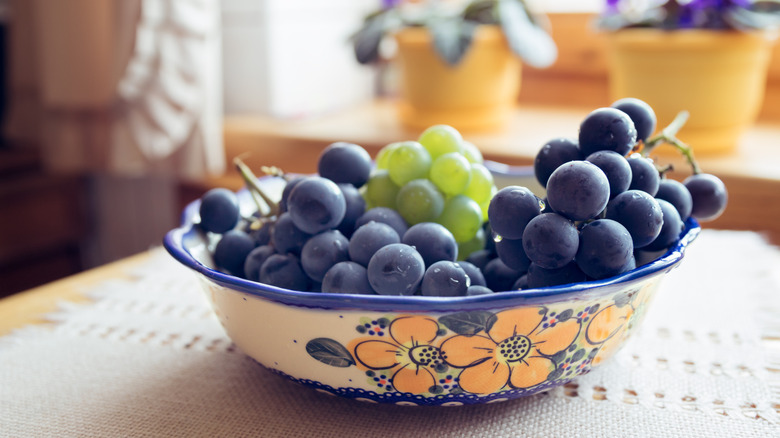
174, 244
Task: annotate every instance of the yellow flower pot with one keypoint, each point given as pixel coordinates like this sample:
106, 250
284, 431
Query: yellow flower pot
718, 76
476, 95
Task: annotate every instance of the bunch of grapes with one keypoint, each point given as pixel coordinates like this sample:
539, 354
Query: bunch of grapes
427, 219
608, 207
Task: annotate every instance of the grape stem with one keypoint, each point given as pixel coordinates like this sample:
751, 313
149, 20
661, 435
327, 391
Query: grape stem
669, 135
258, 194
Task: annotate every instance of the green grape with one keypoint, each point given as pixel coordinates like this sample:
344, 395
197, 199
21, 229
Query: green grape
475, 244
472, 153
481, 184
381, 191
462, 216
408, 161
419, 201
451, 173
383, 156
441, 139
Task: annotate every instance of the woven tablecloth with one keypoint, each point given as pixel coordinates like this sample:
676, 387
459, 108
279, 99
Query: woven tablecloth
148, 358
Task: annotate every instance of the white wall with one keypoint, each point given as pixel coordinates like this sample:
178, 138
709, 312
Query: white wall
292, 58
567, 5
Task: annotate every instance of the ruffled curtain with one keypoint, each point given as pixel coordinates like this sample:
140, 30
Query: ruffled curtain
124, 86
127, 93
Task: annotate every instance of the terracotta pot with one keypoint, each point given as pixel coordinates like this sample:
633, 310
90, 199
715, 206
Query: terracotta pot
719, 77
476, 95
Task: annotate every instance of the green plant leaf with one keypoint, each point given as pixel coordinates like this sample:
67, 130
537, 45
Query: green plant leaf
526, 39
452, 38
466, 323
329, 352
763, 15
481, 11
367, 39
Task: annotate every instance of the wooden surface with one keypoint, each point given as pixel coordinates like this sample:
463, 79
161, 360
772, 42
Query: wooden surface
29, 307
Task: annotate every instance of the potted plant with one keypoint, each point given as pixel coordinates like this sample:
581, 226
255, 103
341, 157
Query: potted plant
459, 61
709, 57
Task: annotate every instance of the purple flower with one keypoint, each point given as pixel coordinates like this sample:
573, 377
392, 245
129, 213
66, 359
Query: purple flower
678, 14
389, 4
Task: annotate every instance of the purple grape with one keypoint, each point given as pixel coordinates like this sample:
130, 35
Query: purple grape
433, 241
316, 204
640, 113
219, 211
445, 279
550, 240
346, 163
347, 278
709, 196
670, 230
644, 175
640, 213
254, 260
480, 258
284, 271
355, 207
552, 155
522, 282
676, 194
231, 251
322, 251
476, 289
607, 129
605, 249
385, 215
511, 252
286, 237
474, 273
286, 192
500, 277
578, 190
396, 269
367, 240
615, 167
542, 277
643, 256
511, 209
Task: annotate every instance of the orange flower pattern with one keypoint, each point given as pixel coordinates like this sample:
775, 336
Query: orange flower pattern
515, 351
525, 349
409, 359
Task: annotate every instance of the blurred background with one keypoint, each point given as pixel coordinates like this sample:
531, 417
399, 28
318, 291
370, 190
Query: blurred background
116, 113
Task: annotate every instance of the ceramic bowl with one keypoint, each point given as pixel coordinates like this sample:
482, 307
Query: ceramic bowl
414, 350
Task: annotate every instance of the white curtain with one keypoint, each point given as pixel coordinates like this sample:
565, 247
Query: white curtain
127, 92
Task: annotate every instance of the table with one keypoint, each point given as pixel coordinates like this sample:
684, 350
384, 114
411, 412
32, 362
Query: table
138, 353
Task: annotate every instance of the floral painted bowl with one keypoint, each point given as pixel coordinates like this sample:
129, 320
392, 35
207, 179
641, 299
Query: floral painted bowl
414, 350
